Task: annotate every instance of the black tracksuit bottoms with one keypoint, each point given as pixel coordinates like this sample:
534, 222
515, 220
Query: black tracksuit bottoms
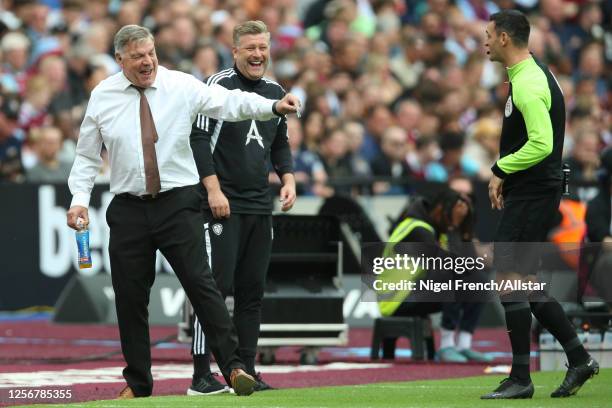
239, 250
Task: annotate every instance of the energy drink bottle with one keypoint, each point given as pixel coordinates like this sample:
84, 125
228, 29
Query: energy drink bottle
82, 239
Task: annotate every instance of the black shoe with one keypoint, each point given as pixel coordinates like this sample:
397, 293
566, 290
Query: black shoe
575, 378
207, 385
510, 389
261, 385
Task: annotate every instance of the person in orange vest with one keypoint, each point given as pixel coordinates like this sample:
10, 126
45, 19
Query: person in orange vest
569, 234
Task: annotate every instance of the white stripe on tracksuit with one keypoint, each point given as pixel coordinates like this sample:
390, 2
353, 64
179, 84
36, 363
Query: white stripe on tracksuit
199, 341
202, 121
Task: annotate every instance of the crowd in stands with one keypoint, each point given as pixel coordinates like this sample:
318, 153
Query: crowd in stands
390, 88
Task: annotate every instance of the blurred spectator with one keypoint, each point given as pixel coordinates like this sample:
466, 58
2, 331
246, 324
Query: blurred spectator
580, 120
586, 29
432, 25
205, 62
483, 146
409, 66
334, 154
98, 39
355, 134
462, 185
378, 119
310, 174
15, 58
379, 75
429, 125
341, 18
49, 169
450, 110
598, 218
477, 9
391, 162
130, 12
223, 26
314, 129
407, 116
453, 161
348, 55
185, 36
591, 66
73, 18
77, 60
34, 16
426, 152
355, 64
66, 96
96, 10
286, 71
33, 112
459, 42
584, 160
70, 121
53, 68
11, 141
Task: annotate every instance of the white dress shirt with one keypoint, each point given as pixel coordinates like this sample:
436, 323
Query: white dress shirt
175, 98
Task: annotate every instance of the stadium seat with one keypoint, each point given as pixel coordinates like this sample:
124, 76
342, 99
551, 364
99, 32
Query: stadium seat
388, 329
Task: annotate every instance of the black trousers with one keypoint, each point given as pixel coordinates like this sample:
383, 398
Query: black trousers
171, 223
239, 250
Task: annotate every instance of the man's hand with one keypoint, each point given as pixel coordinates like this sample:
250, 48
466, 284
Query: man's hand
218, 203
287, 192
289, 104
495, 192
72, 217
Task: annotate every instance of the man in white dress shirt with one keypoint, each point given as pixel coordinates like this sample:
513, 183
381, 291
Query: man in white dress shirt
143, 116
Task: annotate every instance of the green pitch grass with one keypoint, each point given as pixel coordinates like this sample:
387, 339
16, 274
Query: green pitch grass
462, 392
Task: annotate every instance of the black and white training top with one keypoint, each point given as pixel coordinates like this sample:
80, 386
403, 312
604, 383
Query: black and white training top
239, 152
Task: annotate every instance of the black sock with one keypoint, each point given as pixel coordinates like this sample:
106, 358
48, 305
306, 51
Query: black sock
201, 365
518, 323
550, 314
250, 366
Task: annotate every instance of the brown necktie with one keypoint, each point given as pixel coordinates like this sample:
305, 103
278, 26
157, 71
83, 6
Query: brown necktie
149, 137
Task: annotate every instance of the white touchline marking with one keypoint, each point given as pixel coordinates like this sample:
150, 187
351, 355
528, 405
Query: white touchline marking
160, 372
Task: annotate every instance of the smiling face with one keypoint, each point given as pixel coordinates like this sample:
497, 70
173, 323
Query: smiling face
138, 61
252, 55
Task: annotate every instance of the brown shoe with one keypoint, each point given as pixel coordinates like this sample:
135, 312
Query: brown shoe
242, 383
126, 393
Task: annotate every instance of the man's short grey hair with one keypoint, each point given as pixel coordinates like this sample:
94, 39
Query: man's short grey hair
131, 33
252, 27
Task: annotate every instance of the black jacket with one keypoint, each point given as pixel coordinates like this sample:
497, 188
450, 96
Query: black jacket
239, 152
382, 166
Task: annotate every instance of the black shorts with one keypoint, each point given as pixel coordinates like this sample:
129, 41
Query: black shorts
523, 227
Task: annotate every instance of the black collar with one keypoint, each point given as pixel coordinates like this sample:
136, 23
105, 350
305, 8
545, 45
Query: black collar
245, 79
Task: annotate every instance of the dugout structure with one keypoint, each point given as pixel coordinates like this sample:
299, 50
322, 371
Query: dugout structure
303, 299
